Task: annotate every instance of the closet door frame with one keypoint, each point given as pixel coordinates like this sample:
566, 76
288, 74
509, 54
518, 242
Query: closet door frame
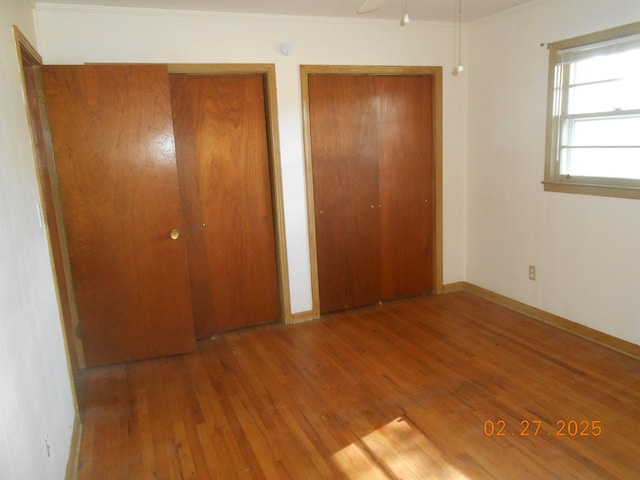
436, 74
36, 111
268, 73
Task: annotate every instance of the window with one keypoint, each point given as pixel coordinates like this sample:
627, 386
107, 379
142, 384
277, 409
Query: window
593, 129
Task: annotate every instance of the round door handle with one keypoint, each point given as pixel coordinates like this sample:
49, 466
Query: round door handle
175, 234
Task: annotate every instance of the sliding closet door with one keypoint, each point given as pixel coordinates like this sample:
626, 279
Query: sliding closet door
343, 120
405, 152
115, 160
371, 148
223, 163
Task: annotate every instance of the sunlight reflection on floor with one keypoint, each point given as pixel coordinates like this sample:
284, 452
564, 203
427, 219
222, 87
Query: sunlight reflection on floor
395, 450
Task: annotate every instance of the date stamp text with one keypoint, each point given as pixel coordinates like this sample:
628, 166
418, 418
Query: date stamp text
534, 428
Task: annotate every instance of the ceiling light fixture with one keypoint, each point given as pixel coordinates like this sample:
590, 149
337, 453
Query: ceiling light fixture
458, 36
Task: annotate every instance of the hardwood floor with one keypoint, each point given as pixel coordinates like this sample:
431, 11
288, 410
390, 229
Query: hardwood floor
437, 387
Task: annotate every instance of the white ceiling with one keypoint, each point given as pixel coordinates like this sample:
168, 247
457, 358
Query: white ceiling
426, 10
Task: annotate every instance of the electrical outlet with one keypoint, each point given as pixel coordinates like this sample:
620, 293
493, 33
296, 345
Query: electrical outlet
532, 272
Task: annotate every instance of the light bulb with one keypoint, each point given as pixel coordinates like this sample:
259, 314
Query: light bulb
404, 20
457, 70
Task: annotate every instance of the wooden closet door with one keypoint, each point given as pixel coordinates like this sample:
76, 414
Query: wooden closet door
405, 158
223, 163
343, 124
371, 150
115, 160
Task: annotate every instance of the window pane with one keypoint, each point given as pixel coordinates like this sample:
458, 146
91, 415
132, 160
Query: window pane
606, 67
621, 93
605, 97
623, 131
601, 162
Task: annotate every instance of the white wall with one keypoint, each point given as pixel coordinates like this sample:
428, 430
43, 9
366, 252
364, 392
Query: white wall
585, 248
36, 404
77, 34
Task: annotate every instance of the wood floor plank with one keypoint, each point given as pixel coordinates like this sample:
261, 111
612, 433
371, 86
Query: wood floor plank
431, 387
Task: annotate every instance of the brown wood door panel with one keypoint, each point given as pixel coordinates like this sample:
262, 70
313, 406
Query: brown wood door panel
405, 161
223, 163
371, 142
345, 183
115, 159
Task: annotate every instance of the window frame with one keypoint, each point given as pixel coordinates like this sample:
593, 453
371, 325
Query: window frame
586, 185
